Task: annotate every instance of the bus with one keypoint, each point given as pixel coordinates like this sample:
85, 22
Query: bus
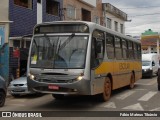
81, 58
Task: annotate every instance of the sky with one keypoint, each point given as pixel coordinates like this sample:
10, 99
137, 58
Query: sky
144, 15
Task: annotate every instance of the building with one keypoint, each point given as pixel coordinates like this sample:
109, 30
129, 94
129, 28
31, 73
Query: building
150, 42
4, 35
15, 36
85, 10
114, 18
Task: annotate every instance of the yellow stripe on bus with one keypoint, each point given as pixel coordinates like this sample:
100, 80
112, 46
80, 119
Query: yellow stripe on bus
116, 67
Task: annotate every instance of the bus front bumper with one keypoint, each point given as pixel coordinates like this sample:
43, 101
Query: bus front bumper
81, 87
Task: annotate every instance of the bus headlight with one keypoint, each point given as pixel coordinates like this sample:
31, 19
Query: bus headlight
80, 78
32, 77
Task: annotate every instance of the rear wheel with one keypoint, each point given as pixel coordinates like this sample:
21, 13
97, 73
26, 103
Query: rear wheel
132, 81
2, 98
58, 96
105, 96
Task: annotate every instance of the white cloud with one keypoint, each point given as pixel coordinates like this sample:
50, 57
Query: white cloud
143, 14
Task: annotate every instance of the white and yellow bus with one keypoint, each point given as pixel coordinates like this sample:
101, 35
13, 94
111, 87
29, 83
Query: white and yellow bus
81, 58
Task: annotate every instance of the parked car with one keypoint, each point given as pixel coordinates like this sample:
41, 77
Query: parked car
19, 87
3, 91
150, 63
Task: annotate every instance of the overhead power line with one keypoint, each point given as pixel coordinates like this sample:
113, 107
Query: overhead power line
144, 24
145, 15
141, 7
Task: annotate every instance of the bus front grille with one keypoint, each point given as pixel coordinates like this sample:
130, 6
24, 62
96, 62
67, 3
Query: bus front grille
61, 89
55, 81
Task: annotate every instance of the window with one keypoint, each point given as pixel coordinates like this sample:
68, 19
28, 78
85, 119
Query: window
16, 43
28, 44
118, 48
124, 48
121, 26
109, 23
97, 53
110, 46
116, 26
71, 12
130, 50
24, 3
97, 19
52, 7
139, 51
39, 1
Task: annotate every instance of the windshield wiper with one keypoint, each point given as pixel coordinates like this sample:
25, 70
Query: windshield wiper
67, 41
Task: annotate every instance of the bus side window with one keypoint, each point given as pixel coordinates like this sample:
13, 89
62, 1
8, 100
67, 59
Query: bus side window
94, 61
97, 52
110, 46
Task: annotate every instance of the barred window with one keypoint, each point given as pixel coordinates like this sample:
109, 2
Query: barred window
52, 7
24, 3
71, 12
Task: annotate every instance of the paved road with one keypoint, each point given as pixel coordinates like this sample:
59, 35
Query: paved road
144, 97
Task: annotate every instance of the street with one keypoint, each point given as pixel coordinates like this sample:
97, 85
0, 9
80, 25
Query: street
144, 97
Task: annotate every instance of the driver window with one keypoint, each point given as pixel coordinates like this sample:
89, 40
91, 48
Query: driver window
97, 48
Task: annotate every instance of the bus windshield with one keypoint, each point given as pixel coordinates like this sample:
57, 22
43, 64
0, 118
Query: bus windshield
146, 63
59, 51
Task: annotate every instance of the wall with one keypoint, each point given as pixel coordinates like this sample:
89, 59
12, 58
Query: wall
78, 4
4, 10
90, 2
4, 33
113, 18
23, 19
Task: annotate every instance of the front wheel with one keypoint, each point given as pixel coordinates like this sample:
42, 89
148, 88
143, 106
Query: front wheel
2, 98
105, 96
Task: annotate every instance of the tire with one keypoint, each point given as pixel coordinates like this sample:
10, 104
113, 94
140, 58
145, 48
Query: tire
15, 95
2, 98
158, 87
132, 81
107, 89
58, 96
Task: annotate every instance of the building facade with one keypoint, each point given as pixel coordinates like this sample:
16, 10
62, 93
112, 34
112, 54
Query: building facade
25, 14
4, 35
114, 18
150, 42
85, 10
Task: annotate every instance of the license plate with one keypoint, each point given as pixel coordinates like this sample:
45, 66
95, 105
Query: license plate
53, 87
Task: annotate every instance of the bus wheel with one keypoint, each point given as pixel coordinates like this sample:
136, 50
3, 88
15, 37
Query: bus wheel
158, 87
58, 96
132, 81
105, 96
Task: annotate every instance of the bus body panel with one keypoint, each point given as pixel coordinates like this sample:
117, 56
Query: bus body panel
93, 79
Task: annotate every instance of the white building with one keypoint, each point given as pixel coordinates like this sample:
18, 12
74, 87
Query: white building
114, 18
